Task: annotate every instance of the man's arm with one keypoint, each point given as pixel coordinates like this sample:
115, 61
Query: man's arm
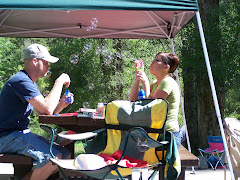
48, 104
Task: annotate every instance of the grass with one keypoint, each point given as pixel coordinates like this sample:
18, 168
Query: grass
79, 148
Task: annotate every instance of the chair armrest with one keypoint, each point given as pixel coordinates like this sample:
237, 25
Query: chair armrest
80, 136
73, 137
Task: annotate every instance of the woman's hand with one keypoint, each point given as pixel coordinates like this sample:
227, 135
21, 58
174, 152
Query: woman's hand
141, 76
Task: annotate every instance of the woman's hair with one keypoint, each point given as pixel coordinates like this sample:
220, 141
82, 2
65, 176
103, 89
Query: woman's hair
170, 59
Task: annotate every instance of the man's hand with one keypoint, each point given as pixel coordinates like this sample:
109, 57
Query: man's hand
62, 104
64, 79
63, 100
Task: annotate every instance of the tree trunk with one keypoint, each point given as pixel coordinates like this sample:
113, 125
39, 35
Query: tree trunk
198, 100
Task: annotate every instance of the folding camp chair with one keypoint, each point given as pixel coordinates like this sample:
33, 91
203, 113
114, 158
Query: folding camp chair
214, 152
134, 136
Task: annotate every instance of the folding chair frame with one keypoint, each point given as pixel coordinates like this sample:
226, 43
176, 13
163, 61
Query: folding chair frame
113, 167
134, 131
216, 153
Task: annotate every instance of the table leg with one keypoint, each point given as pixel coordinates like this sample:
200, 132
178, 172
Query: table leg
70, 147
182, 174
22, 169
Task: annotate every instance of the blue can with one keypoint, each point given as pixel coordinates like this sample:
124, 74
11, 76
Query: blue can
141, 94
68, 94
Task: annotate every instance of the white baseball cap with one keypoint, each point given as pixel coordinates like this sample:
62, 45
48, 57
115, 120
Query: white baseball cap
39, 51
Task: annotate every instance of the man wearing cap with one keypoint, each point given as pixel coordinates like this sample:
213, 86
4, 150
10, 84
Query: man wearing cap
19, 96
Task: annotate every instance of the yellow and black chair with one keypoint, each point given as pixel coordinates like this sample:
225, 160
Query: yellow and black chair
135, 131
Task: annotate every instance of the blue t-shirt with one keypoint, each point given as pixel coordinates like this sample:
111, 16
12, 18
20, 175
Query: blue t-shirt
14, 107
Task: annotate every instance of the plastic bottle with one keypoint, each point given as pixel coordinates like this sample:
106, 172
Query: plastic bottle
141, 94
68, 94
100, 109
140, 65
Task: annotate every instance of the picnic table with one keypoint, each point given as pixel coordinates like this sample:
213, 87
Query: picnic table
86, 124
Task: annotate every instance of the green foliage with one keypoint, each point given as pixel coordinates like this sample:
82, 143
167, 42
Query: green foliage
230, 25
223, 42
107, 64
10, 58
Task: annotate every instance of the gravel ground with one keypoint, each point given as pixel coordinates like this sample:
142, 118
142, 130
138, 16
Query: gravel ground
6, 171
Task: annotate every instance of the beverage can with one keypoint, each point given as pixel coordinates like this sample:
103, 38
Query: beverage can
141, 94
68, 95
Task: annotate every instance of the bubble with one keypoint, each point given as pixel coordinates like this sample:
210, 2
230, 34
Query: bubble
85, 105
91, 86
107, 61
45, 93
94, 24
49, 73
98, 50
88, 28
122, 56
87, 47
74, 58
119, 55
94, 21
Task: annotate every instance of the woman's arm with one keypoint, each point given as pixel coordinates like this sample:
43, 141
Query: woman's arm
141, 76
160, 94
134, 90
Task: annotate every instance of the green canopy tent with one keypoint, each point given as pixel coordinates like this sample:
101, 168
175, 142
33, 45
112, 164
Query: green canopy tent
132, 19
117, 18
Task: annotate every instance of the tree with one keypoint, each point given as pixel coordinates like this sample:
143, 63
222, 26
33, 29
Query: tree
103, 70
230, 24
199, 107
11, 59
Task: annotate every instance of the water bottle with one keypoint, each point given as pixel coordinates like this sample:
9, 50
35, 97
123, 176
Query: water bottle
100, 109
141, 94
68, 94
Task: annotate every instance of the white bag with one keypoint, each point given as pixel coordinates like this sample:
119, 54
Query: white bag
89, 162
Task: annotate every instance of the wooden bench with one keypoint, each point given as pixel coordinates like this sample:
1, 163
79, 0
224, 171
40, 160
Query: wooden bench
187, 160
22, 164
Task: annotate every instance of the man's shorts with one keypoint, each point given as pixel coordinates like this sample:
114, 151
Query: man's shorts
29, 144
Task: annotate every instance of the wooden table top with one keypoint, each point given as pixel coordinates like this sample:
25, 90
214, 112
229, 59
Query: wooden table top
74, 123
84, 124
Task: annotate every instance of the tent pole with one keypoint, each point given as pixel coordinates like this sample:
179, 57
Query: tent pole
214, 92
181, 103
